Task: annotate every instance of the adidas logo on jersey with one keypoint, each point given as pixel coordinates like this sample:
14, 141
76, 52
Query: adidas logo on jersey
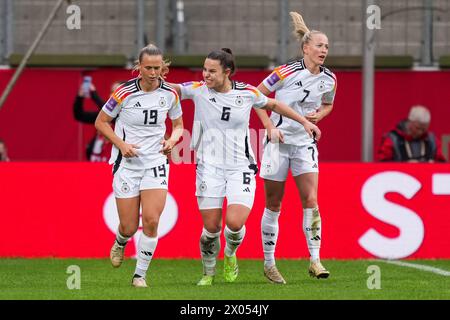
246, 189
299, 83
212, 100
137, 105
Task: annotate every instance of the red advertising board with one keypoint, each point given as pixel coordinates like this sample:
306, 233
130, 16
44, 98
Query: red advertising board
368, 210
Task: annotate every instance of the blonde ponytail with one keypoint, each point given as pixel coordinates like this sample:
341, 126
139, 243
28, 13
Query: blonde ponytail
301, 31
300, 28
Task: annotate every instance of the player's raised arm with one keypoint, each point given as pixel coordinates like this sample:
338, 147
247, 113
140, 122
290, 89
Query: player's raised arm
283, 109
273, 134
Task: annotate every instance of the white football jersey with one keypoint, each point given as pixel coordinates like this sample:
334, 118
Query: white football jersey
220, 134
302, 91
141, 120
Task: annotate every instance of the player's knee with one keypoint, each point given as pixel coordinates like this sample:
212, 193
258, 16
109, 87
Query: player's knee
273, 201
150, 223
273, 204
213, 227
309, 201
273, 207
128, 230
235, 225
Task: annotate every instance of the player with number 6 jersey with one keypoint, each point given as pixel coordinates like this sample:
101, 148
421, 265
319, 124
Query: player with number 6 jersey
226, 166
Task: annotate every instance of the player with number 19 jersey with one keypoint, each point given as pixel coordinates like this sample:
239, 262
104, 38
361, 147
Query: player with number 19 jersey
141, 118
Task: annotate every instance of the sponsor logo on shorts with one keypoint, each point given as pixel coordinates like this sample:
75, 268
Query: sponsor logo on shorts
246, 189
203, 186
164, 183
125, 188
315, 166
268, 169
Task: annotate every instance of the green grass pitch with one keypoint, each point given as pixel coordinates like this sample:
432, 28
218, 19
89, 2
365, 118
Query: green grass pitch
46, 279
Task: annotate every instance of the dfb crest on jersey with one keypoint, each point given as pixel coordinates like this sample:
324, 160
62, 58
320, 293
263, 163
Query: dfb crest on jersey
239, 101
203, 186
321, 85
125, 188
162, 102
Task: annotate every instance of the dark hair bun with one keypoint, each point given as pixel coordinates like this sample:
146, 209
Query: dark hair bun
227, 50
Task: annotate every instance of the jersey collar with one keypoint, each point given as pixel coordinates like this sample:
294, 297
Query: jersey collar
161, 82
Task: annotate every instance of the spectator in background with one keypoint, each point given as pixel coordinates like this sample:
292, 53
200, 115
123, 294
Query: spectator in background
3, 151
98, 149
411, 141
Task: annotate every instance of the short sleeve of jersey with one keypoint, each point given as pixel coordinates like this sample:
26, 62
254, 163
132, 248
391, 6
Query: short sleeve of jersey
112, 106
260, 99
189, 89
274, 81
328, 97
175, 111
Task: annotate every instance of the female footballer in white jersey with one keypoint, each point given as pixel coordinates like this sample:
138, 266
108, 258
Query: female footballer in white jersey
141, 168
226, 166
309, 89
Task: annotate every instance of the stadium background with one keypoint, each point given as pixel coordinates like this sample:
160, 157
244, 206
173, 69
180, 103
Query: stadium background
49, 190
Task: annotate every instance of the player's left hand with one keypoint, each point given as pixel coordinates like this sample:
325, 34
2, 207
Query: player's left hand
313, 117
313, 131
167, 146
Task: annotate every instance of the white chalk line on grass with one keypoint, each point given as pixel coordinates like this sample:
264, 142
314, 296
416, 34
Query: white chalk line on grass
422, 267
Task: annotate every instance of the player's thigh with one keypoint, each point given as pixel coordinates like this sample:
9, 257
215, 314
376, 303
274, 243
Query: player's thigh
241, 186
126, 183
128, 210
304, 159
236, 216
210, 181
212, 219
153, 202
126, 190
274, 192
307, 185
275, 162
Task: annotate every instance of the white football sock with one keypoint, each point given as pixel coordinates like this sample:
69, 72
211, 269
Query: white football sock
234, 240
209, 249
146, 249
269, 235
312, 227
121, 240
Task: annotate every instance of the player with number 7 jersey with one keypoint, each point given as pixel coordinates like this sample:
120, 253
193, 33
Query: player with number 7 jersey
226, 165
309, 89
